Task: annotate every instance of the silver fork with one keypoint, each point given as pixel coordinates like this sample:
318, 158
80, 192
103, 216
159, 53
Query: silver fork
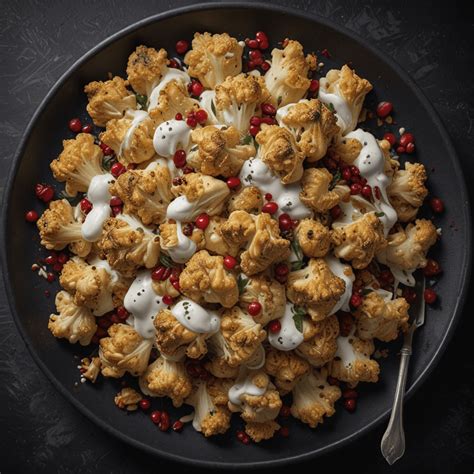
393, 440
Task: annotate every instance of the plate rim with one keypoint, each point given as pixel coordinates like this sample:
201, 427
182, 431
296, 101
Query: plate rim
465, 271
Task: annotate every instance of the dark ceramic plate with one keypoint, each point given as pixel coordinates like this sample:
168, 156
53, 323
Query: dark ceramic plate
42, 142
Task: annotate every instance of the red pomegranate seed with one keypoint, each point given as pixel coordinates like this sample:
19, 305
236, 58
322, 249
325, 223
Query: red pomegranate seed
285, 222
410, 148
384, 109
437, 205
252, 43
178, 426
178, 116
116, 210
202, 221
350, 404
346, 173
349, 393
174, 64
409, 294
191, 122
181, 46
313, 85
356, 188
255, 54
270, 207
263, 44
229, 262
400, 150
430, 295
175, 274
390, 137
406, 138
75, 125
268, 109
377, 192
268, 120
122, 313
285, 411
166, 274
265, 66
233, 182
240, 435
157, 273
268, 197
115, 319
44, 192
282, 270
116, 201
179, 158
366, 191
325, 53
164, 423
155, 416
386, 276
255, 121
254, 308
31, 216
63, 258
201, 116
261, 36
274, 326
50, 259
167, 300
50, 277
355, 171
284, 431
333, 381
87, 128
187, 170
144, 404
117, 169
86, 206
176, 285
336, 212
106, 150
250, 65
196, 88
104, 323
57, 267
432, 268
356, 300
253, 130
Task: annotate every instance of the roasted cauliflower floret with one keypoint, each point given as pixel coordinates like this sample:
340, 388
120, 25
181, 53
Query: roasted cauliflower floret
78, 163
286, 368
131, 137
238, 229
407, 191
219, 367
313, 237
58, 228
248, 199
346, 150
314, 398
205, 279
314, 127
214, 242
90, 368
166, 378
74, 323
319, 344
315, 288
213, 58
124, 351
128, 399
269, 293
218, 151
378, 318
172, 239
287, 79
209, 399
239, 339
316, 193
278, 150
108, 100
145, 68
407, 248
347, 85
145, 193
238, 98
261, 431
352, 363
359, 241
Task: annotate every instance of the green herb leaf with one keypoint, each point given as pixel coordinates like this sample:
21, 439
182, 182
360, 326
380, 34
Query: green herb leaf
246, 140
295, 246
213, 107
298, 316
296, 265
142, 100
380, 214
73, 200
242, 283
107, 162
279, 99
166, 261
331, 107
335, 179
366, 291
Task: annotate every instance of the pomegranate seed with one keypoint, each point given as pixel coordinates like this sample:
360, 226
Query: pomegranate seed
325, 53
164, 423
229, 262
144, 404
176, 285
254, 308
86, 206
167, 300
117, 169
116, 201
282, 270
355, 171
350, 404
57, 267
174, 64
201, 116
50, 259
270, 207
187, 170
175, 274
63, 258
377, 192
157, 273
188, 229
314, 85
386, 276
406, 138
285, 411
178, 116
115, 319
274, 326
240, 435
430, 295
346, 173
432, 268
122, 313
336, 212
116, 210
268, 120
268, 109
50, 277
356, 300
261, 36
196, 88
255, 121
178, 426
255, 54
75, 125
366, 191
265, 66
181, 46
349, 393
104, 323
191, 122
284, 431
87, 128
106, 150
285, 222
253, 130
251, 65
253, 43
409, 294
437, 205
44, 192
179, 158
390, 137
263, 44
384, 109
268, 197
202, 221
400, 150
166, 274
410, 148
333, 381
356, 188
155, 416
233, 182
31, 216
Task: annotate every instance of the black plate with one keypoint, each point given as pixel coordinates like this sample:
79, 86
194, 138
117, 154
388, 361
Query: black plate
42, 143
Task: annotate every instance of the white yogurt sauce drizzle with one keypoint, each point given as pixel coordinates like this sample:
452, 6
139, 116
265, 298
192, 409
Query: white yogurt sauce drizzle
172, 74
170, 136
207, 103
338, 269
345, 120
185, 248
244, 386
345, 351
143, 303
137, 117
195, 318
288, 338
98, 194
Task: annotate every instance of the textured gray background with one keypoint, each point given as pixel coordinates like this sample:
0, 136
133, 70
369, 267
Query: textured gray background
42, 432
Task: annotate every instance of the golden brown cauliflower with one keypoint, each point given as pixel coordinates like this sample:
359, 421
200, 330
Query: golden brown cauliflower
286, 368
315, 192
214, 241
349, 89
205, 279
145, 68
213, 58
239, 339
124, 351
269, 293
248, 199
407, 191
359, 241
58, 228
315, 288
219, 367
218, 151
319, 344
128, 399
238, 98
313, 238
90, 368
145, 193
261, 431
238, 229
108, 100
78, 163
127, 245
314, 127
131, 137
209, 399
166, 378
178, 246
278, 150
74, 323
381, 318
287, 79
346, 150
314, 398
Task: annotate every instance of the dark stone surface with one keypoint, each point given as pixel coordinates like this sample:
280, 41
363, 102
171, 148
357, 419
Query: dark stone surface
41, 431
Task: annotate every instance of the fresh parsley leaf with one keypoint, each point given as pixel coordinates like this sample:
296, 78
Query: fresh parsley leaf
295, 246
213, 107
331, 107
107, 162
296, 265
380, 214
166, 261
246, 140
335, 179
298, 316
142, 100
242, 283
